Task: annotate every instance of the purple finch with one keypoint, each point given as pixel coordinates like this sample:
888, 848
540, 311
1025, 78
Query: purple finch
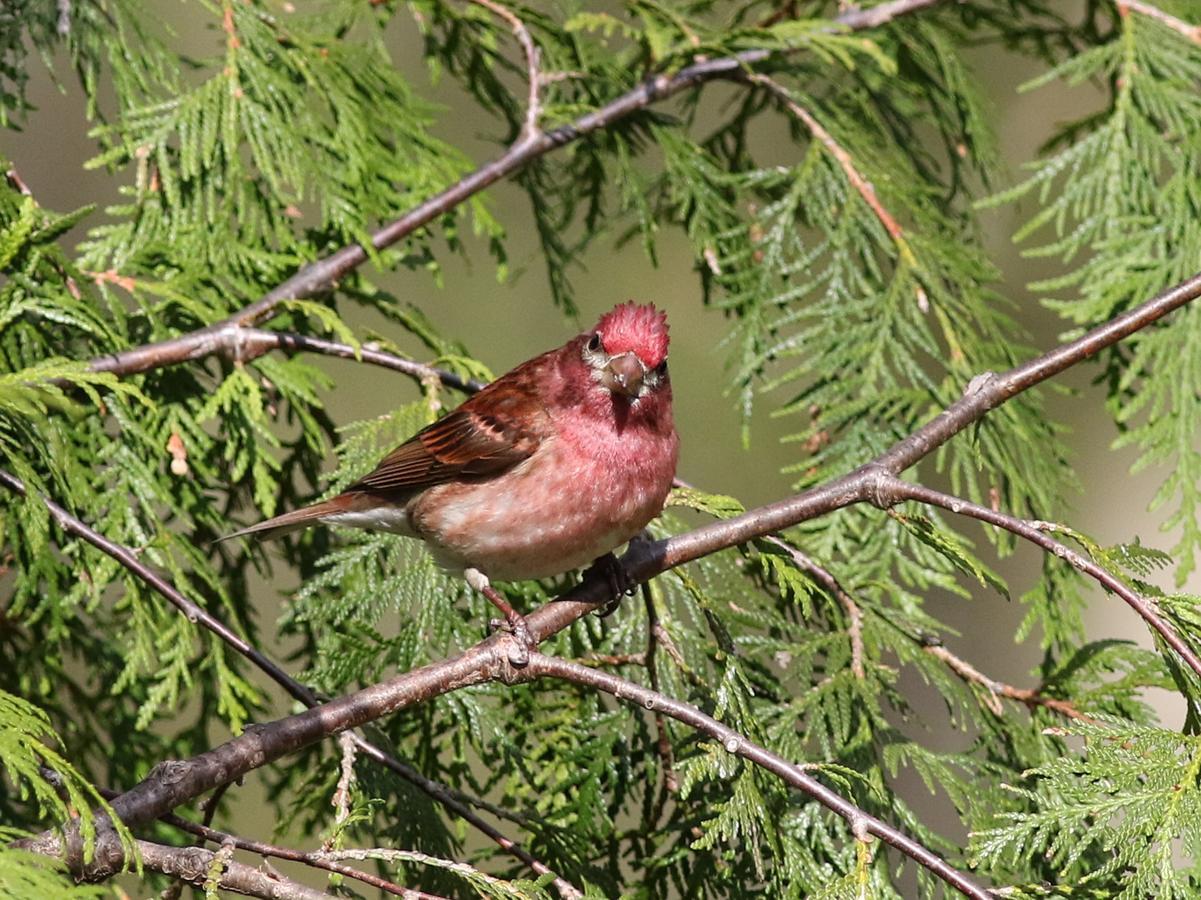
550, 467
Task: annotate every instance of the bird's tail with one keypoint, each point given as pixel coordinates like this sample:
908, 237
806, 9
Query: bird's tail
295, 520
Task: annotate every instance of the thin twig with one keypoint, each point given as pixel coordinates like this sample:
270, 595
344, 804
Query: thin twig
670, 783
175, 782
533, 109
128, 558
243, 344
1187, 29
1031, 698
252, 342
827, 580
341, 799
208, 809
861, 821
195, 865
13, 177
894, 490
322, 274
221, 838
862, 186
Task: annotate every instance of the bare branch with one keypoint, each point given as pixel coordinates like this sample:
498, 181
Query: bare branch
262, 848
827, 580
894, 490
861, 185
439, 792
257, 341
208, 809
243, 344
324, 273
983, 394
345, 783
175, 782
961, 667
194, 865
860, 820
13, 177
1187, 29
533, 109
1031, 698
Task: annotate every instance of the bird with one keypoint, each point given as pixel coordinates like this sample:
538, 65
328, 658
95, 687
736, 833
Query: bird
552, 466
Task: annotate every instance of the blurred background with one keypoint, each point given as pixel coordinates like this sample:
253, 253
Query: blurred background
504, 323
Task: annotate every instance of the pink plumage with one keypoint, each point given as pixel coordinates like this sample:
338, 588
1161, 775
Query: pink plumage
640, 328
551, 466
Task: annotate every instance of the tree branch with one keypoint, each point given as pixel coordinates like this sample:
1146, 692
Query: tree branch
175, 782
827, 580
1031, 698
862, 186
984, 393
1187, 29
316, 860
253, 342
13, 177
894, 490
243, 344
195, 865
321, 275
533, 108
961, 667
861, 821
196, 614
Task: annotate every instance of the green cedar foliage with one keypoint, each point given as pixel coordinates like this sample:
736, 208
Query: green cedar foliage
853, 315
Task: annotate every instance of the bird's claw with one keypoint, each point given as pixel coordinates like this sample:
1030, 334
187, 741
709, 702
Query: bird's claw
620, 583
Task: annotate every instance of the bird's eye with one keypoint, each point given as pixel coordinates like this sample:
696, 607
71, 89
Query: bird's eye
594, 342
661, 369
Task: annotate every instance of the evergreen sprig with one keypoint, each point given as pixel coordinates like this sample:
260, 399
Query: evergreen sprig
860, 302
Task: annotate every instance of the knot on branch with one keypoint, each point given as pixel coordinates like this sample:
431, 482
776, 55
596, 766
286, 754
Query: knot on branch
880, 487
169, 771
502, 667
108, 856
191, 863
979, 383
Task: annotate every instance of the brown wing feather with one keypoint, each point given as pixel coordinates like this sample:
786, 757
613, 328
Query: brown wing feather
497, 428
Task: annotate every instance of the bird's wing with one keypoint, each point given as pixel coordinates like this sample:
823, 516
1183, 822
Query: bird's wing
492, 431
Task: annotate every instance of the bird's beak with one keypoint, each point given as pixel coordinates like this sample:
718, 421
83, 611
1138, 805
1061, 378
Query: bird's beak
623, 374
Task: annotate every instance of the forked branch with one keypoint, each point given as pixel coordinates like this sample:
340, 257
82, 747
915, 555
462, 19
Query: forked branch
126, 557
896, 490
861, 822
533, 107
324, 273
175, 782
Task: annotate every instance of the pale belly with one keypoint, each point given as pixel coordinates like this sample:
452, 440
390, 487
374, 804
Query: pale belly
538, 521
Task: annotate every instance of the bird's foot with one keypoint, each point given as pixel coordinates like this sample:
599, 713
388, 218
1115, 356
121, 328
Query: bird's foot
620, 583
514, 622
